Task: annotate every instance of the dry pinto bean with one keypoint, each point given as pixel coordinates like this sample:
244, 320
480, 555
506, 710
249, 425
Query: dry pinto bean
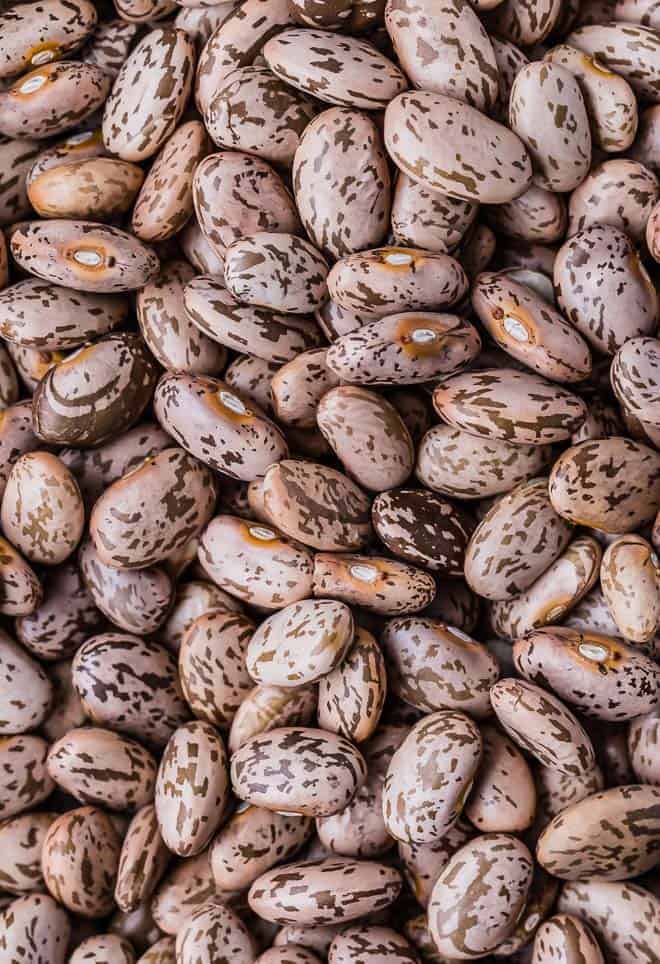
175, 342
452, 147
252, 377
235, 195
21, 592
317, 505
95, 393
464, 466
605, 907
387, 280
503, 798
192, 789
256, 112
80, 859
564, 938
341, 182
554, 593
404, 348
351, 697
24, 780
300, 643
106, 947
630, 581
621, 193
537, 215
103, 188
142, 861
628, 49
212, 932
634, 379
165, 201
611, 835
591, 269
52, 99
368, 436
149, 94
534, 537
359, 830
298, 386
609, 484
110, 44
35, 921
255, 563
269, 335
83, 255
375, 583
380, 945
529, 329
235, 43
41, 32
446, 51
42, 509
433, 666
194, 599
102, 768
226, 433
266, 708
212, 671
430, 776
548, 113
428, 219
168, 499
601, 676
37, 314
298, 894
335, 69
129, 685
251, 842
20, 856
643, 736
479, 895
298, 770
276, 271
186, 885
422, 528
506, 404
423, 863
540, 723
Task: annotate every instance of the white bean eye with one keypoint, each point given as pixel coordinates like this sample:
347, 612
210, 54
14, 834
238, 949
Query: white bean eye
233, 403
90, 259
594, 651
364, 573
516, 329
398, 257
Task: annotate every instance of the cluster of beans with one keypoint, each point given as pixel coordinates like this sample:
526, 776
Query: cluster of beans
329, 482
